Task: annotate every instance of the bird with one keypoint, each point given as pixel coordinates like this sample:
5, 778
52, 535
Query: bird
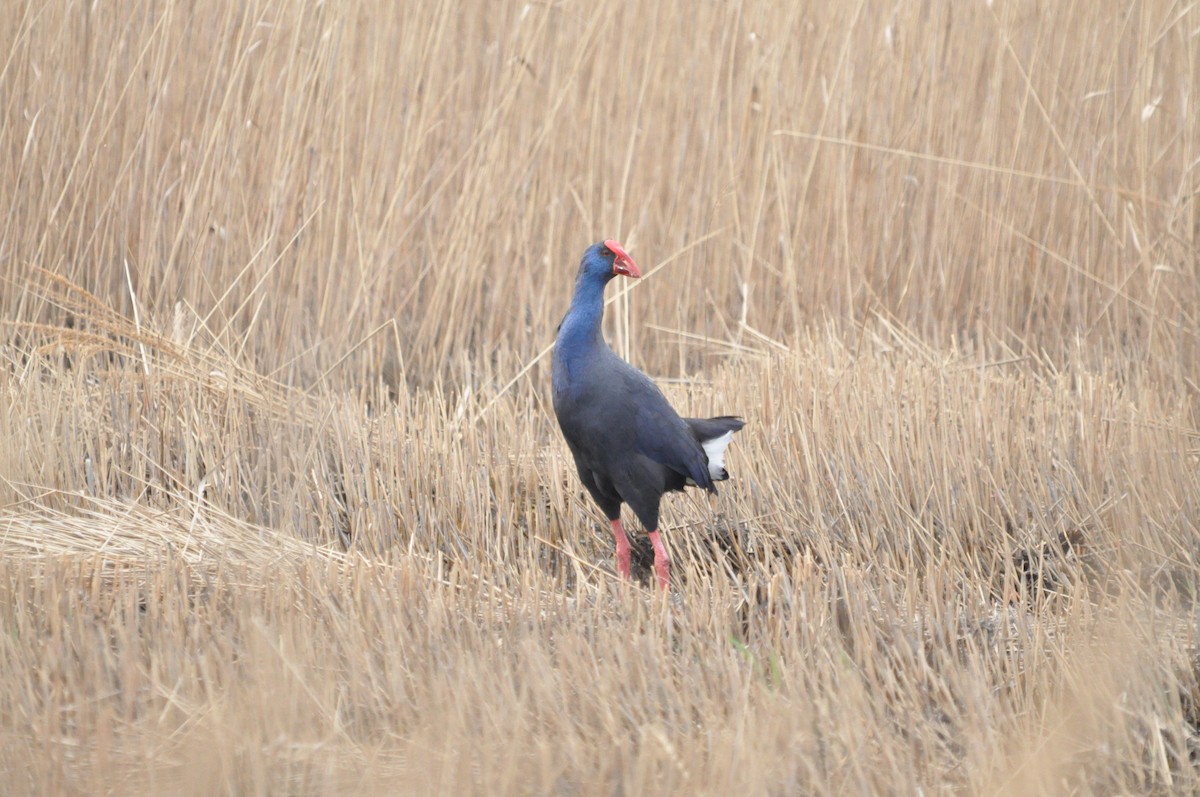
630, 446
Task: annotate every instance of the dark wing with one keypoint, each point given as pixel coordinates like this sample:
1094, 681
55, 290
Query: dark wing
660, 434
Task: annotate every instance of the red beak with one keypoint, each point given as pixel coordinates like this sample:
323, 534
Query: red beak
623, 263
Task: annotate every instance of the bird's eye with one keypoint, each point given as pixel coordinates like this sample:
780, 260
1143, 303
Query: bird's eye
604, 252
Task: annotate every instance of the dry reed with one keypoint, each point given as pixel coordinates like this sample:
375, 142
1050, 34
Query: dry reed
283, 508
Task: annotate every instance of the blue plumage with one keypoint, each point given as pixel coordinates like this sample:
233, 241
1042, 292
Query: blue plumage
629, 445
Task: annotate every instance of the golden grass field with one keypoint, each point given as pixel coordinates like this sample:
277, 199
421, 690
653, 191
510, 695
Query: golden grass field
284, 508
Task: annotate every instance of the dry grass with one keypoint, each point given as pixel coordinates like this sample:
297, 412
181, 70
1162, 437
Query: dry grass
283, 508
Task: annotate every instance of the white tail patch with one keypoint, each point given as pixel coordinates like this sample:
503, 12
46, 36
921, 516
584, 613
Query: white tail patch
715, 449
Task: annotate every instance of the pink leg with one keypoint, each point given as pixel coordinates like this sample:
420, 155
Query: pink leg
662, 562
623, 551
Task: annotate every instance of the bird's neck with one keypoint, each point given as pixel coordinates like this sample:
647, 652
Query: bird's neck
582, 324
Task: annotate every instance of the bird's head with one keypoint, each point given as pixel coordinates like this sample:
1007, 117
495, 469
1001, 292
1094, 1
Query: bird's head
607, 259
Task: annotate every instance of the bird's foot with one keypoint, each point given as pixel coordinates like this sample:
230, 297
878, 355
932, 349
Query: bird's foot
624, 552
662, 562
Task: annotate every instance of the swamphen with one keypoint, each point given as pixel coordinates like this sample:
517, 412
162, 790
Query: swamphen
629, 445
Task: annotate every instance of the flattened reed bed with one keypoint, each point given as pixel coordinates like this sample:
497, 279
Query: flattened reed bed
322, 677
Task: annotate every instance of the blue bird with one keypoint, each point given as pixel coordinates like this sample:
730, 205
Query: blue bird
629, 445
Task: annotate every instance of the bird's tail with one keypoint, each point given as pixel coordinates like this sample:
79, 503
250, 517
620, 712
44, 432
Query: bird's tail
714, 435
